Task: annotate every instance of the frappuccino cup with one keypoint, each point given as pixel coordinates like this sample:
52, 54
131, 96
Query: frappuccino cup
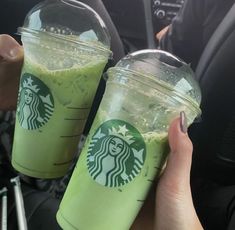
127, 145
66, 47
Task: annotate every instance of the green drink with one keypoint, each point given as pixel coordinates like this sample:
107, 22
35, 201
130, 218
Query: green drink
59, 120
127, 145
109, 205
58, 83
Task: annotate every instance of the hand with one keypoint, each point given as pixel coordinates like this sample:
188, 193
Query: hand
174, 205
171, 206
11, 60
161, 33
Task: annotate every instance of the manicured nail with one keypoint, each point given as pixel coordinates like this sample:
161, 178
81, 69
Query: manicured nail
183, 122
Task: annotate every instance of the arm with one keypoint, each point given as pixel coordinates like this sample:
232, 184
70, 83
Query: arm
162, 33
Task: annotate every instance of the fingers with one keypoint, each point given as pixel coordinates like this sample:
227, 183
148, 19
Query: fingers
177, 172
11, 60
10, 50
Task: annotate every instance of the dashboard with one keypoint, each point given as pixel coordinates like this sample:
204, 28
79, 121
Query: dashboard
165, 10
137, 21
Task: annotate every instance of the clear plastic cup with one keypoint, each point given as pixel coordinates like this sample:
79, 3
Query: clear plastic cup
127, 145
66, 47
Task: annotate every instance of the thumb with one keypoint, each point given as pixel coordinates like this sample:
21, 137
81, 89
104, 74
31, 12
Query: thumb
177, 172
10, 49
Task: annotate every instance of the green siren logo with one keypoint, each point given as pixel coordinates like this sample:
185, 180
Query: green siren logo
35, 102
116, 153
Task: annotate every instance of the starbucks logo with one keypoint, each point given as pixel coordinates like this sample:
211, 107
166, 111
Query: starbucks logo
116, 153
35, 102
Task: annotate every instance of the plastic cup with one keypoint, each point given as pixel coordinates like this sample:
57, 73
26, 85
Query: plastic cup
66, 47
127, 145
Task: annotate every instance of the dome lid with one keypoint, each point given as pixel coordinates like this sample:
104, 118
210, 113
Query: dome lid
69, 20
163, 70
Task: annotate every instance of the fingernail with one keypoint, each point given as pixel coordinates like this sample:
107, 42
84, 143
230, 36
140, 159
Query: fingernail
183, 122
14, 52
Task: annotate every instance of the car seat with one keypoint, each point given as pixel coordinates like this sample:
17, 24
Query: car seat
214, 135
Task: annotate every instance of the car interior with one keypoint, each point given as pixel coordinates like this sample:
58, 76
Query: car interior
213, 132
133, 25
138, 21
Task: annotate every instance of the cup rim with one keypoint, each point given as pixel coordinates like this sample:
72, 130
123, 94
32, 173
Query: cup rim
157, 84
35, 33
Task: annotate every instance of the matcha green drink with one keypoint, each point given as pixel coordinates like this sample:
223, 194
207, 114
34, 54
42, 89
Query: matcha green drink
127, 145
118, 163
54, 118
108, 200
63, 63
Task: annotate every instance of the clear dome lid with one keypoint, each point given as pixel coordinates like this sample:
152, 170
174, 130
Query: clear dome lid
162, 70
69, 20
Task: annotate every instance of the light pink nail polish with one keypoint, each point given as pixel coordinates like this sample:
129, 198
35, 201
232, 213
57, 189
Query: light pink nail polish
183, 122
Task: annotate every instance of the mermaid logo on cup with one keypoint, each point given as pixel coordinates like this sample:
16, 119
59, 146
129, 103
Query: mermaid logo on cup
116, 153
35, 102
